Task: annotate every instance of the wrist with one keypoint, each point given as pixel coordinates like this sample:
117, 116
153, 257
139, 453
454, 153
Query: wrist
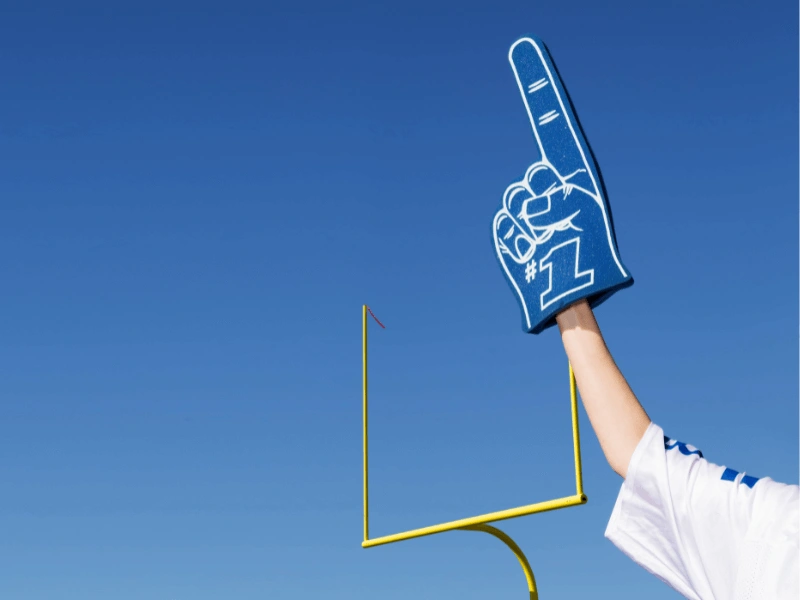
577, 316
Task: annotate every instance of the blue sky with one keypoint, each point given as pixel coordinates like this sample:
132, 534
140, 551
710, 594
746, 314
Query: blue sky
196, 202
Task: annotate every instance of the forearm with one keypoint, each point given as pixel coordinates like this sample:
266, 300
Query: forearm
617, 417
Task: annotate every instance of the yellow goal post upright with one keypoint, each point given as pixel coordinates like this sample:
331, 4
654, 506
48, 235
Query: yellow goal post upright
479, 522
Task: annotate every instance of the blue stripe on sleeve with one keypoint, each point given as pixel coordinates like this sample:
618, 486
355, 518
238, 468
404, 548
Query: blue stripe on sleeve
749, 480
683, 448
730, 475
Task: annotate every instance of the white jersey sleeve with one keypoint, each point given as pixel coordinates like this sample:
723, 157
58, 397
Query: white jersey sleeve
709, 532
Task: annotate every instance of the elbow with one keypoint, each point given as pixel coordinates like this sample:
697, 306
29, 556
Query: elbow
620, 453
619, 467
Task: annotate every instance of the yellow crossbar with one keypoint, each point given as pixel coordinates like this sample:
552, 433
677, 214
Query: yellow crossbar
479, 520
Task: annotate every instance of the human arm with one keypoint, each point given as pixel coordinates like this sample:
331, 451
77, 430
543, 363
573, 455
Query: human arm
706, 530
617, 417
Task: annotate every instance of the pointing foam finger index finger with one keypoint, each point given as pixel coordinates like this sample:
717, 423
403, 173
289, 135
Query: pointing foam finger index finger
555, 128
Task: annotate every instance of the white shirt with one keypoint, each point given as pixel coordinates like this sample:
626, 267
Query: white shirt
709, 532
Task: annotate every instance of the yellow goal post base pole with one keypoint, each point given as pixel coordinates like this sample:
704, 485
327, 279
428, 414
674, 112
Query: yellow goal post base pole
533, 594
479, 522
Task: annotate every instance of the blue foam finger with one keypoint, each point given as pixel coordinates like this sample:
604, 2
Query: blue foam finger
553, 234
